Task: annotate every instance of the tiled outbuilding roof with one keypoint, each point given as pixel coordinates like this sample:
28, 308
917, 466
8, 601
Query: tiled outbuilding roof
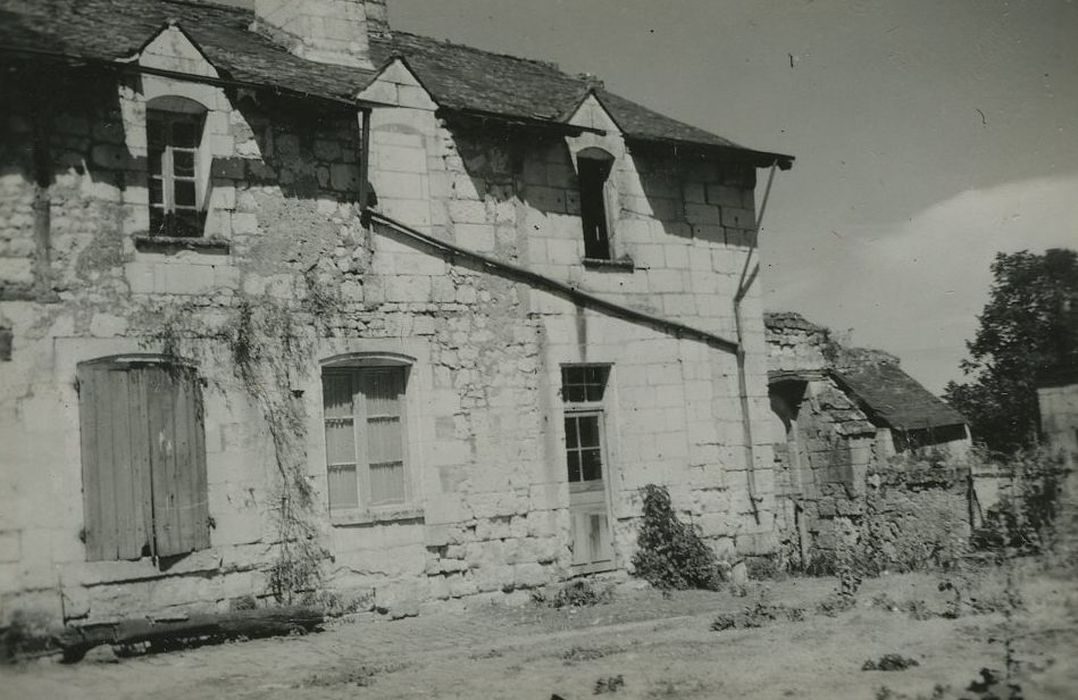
871, 377
896, 398
458, 77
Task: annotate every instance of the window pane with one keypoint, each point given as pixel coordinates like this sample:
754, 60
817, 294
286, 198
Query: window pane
340, 441
183, 163
385, 445
185, 134
342, 487
337, 395
383, 389
185, 193
574, 393
589, 431
570, 433
157, 195
157, 220
187, 223
572, 375
581, 384
591, 465
573, 457
154, 161
387, 483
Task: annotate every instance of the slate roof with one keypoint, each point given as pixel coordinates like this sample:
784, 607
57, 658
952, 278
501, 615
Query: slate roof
897, 399
458, 77
110, 30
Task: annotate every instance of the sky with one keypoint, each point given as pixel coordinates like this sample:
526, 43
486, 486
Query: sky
928, 134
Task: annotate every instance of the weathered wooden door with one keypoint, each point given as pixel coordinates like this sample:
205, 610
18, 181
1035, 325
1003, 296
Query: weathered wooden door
143, 460
590, 540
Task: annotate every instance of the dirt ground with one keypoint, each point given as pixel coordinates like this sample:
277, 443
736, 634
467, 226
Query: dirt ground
640, 645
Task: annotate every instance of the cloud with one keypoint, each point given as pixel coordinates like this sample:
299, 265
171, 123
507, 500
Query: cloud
916, 288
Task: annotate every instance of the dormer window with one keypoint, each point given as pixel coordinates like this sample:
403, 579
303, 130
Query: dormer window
174, 134
593, 172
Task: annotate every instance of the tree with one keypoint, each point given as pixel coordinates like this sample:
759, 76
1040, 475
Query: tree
1028, 329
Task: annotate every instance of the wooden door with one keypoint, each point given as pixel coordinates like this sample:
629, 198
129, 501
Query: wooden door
143, 460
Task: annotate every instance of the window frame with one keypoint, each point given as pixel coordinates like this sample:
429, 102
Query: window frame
364, 510
585, 409
166, 113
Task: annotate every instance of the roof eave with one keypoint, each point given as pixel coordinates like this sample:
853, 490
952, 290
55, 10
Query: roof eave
761, 159
75, 61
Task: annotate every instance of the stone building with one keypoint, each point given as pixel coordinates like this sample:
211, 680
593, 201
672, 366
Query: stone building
295, 304
845, 414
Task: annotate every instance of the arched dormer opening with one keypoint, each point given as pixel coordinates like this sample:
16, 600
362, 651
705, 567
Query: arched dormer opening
594, 167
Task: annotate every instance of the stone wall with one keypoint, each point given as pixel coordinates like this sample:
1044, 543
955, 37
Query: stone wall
1059, 424
286, 260
838, 481
822, 465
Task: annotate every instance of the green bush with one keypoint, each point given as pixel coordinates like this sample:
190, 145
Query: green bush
670, 554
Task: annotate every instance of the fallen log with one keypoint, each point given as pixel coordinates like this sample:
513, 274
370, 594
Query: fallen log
75, 641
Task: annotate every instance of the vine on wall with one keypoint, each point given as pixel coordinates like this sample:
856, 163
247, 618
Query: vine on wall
270, 346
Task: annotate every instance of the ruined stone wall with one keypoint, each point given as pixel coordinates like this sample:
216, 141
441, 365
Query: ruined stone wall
821, 465
288, 275
840, 489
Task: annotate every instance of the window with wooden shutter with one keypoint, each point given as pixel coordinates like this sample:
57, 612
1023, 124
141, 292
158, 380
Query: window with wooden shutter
364, 413
143, 460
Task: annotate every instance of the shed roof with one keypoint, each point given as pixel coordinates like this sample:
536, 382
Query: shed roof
458, 77
897, 399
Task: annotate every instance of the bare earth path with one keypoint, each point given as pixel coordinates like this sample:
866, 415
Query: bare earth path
660, 647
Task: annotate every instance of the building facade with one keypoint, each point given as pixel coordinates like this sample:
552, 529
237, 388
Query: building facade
294, 305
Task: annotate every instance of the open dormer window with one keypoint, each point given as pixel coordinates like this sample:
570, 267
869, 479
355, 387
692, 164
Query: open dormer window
593, 172
174, 130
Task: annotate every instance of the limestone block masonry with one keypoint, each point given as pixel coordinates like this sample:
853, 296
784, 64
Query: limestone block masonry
286, 280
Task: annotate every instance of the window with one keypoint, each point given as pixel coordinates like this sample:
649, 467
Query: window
583, 387
174, 137
594, 166
143, 460
583, 383
364, 415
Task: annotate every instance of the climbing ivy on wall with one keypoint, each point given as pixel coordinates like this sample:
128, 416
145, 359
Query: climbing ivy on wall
269, 346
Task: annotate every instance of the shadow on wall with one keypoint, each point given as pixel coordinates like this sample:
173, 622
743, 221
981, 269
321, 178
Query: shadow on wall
507, 164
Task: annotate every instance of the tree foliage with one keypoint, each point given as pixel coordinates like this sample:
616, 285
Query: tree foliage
1028, 329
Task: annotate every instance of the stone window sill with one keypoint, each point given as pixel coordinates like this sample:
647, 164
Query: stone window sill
375, 516
622, 264
172, 243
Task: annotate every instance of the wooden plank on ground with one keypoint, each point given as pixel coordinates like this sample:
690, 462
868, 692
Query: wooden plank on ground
260, 622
